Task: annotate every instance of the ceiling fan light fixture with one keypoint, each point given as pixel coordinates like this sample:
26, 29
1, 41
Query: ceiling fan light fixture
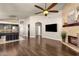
45, 12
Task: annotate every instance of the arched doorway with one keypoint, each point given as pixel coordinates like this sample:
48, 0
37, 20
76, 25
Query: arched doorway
38, 28
38, 32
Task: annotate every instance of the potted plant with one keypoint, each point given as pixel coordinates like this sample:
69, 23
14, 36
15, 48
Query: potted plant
63, 35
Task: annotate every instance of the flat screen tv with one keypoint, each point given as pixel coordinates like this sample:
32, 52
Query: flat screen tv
51, 28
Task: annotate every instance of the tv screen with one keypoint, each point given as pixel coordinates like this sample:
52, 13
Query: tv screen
51, 27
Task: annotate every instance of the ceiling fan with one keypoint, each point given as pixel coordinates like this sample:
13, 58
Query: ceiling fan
46, 10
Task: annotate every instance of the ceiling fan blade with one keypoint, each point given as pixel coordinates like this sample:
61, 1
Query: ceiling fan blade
39, 7
38, 12
54, 11
51, 6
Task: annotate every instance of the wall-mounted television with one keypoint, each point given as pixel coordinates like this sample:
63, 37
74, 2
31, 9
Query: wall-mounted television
51, 28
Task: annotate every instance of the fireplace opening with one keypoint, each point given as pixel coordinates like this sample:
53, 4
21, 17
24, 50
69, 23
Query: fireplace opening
72, 40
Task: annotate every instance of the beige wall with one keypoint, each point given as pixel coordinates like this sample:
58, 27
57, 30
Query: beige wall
74, 29
67, 8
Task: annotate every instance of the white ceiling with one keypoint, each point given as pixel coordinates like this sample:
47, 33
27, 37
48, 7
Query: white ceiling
22, 10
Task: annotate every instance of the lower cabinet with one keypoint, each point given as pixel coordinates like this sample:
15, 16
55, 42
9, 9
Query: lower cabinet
9, 36
12, 36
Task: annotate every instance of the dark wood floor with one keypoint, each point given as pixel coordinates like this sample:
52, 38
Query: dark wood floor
36, 47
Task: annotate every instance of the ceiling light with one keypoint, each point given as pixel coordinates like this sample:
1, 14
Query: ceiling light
45, 13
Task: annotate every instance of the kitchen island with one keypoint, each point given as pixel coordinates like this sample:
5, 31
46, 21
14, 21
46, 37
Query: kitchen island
9, 36
9, 31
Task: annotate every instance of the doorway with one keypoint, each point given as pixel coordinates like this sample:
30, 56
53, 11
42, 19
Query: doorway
38, 29
28, 31
38, 32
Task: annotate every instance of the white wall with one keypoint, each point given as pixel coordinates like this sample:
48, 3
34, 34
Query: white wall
24, 27
54, 18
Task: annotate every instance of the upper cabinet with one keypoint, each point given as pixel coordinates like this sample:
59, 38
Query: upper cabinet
9, 28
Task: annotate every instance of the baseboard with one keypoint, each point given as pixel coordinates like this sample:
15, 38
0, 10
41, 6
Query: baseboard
51, 38
9, 41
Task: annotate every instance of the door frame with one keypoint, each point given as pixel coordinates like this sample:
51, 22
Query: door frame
36, 28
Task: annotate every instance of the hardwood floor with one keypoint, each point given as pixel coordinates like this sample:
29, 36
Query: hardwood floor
36, 47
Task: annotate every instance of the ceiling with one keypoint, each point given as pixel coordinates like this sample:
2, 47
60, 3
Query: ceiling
22, 10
